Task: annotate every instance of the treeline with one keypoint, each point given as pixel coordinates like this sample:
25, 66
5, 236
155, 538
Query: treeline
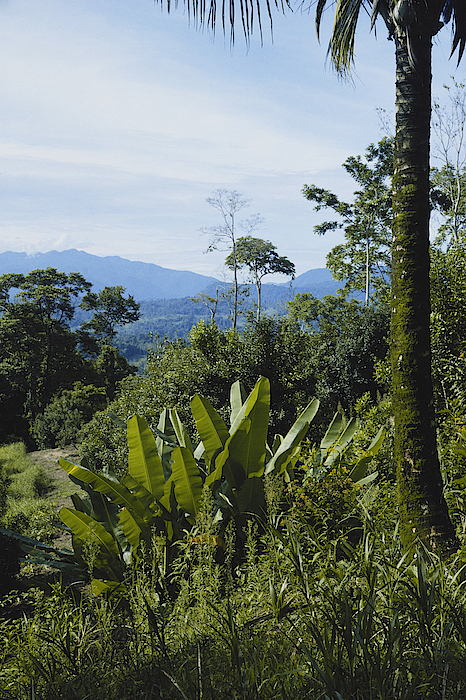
46, 368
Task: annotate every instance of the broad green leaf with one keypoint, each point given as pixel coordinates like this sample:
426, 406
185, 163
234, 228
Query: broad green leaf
225, 464
210, 426
250, 451
333, 431
287, 447
141, 493
106, 513
367, 479
107, 561
117, 420
144, 463
108, 588
343, 439
238, 397
80, 504
130, 528
244, 451
187, 479
359, 470
376, 443
180, 431
113, 489
165, 441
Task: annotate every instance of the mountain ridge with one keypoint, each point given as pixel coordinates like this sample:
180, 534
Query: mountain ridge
151, 282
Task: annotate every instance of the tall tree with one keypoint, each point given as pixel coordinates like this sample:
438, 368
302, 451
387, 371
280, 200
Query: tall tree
260, 258
448, 193
110, 310
411, 24
37, 348
224, 236
363, 261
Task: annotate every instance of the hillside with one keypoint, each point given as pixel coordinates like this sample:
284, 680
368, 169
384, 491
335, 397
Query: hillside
141, 280
165, 295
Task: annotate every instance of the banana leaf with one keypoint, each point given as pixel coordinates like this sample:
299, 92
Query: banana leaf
180, 431
144, 463
141, 493
332, 433
165, 441
359, 470
130, 528
225, 464
250, 499
238, 397
187, 479
110, 589
210, 426
113, 489
343, 439
117, 420
79, 504
244, 452
287, 447
108, 562
249, 450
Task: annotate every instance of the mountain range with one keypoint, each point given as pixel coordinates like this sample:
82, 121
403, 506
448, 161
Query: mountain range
150, 282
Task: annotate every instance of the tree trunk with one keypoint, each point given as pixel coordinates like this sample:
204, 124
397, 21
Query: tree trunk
423, 510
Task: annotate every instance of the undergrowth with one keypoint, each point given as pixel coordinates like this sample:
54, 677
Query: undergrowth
352, 622
25, 510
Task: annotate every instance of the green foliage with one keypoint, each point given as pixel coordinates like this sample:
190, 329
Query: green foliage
260, 258
162, 488
363, 261
67, 412
448, 322
346, 341
327, 506
275, 348
110, 310
40, 355
285, 626
25, 511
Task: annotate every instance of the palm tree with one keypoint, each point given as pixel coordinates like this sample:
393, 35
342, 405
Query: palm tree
411, 24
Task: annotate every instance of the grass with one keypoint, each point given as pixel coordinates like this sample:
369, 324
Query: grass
26, 511
341, 622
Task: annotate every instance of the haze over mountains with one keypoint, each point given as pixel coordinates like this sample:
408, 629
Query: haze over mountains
146, 281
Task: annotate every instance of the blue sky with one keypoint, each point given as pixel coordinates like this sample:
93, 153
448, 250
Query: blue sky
118, 120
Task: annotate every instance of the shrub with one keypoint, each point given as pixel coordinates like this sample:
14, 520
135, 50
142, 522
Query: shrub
65, 415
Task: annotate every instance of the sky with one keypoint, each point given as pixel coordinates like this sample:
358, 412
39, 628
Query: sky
118, 120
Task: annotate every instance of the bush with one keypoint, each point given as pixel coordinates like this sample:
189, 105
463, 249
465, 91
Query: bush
329, 506
65, 415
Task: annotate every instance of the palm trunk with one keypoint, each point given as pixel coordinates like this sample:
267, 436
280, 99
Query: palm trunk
423, 510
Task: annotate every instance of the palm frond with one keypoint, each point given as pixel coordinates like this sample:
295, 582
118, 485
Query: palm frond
456, 10
341, 47
229, 14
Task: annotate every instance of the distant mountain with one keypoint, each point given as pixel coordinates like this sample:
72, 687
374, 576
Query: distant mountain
142, 280
149, 282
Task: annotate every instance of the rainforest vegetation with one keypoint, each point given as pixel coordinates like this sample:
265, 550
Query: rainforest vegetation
234, 522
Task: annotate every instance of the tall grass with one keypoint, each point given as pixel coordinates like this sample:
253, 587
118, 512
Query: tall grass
26, 511
338, 622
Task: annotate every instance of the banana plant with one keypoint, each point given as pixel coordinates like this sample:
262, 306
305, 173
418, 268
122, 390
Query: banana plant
334, 451
163, 486
238, 457
117, 516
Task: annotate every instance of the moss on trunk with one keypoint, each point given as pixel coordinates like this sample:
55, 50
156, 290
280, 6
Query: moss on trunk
423, 509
